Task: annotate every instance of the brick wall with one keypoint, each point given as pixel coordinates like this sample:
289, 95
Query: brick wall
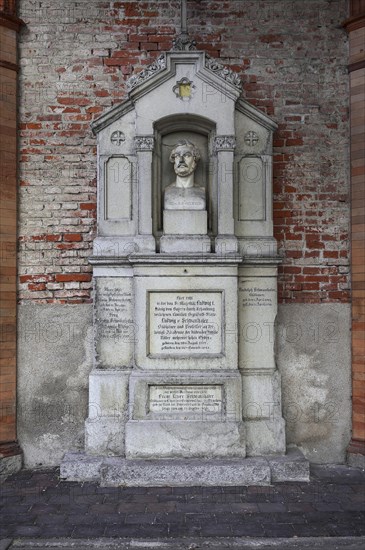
75, 59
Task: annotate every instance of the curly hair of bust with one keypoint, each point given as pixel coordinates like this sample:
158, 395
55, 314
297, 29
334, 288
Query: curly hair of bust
195, 151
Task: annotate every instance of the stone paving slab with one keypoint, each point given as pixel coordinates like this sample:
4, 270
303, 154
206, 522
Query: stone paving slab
37, 504
323, 543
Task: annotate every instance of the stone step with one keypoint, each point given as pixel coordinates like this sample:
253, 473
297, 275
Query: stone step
118, 471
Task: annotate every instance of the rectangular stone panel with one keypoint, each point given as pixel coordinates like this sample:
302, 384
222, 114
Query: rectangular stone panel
185, 324
251, 190
189, 399
118, 189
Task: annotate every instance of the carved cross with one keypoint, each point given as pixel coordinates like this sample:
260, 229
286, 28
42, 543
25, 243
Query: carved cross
184, 16
117, 137
251, 138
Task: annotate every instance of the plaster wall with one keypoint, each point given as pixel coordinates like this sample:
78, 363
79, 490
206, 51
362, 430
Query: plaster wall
54, 360
55, 357
314, 358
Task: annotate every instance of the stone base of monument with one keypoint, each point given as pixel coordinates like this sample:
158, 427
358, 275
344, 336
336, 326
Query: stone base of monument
148, 439
190, 244
185, 222
118, 471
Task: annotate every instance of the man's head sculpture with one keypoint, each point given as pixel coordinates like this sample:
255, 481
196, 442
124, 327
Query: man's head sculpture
185, 156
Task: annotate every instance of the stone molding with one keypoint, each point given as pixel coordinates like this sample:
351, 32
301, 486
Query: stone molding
151, 70
223, 72
256, 115
231, 258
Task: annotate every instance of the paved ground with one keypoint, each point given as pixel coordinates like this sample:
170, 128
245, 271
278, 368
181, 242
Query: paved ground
36, 504
211, 543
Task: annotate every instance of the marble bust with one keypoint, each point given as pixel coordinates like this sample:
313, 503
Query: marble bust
183, 193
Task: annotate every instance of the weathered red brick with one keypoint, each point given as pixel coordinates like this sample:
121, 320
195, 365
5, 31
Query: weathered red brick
72, 237
70, 277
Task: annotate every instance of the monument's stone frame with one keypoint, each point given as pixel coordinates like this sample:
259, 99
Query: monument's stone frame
201, 397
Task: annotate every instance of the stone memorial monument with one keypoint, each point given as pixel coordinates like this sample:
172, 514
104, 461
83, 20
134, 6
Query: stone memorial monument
185, 389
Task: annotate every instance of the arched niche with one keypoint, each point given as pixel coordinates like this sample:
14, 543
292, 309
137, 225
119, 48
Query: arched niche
167, 132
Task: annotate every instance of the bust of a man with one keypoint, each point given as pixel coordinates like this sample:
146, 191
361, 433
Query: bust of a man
183, 194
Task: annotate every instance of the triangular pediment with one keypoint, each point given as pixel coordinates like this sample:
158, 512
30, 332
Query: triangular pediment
210, 71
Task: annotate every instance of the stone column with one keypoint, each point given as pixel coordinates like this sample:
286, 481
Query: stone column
144, 148
10, 453
355, 26
226, 241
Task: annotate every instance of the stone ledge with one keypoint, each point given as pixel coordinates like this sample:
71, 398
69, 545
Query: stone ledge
118, 471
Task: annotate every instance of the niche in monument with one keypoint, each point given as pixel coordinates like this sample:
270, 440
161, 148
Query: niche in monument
168, 133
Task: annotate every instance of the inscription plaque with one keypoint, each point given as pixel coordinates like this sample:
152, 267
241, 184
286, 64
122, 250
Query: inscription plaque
187, 399
185, 323
255, 296
114, 313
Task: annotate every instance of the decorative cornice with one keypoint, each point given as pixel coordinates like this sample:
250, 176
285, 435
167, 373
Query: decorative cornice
162, 258
225, 143
8, 65
255, 114
111, 116
354, 23
183, 43
151, 70
144, 143
11, 22
223, 72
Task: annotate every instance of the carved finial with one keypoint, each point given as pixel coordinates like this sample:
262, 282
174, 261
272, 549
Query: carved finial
183, 42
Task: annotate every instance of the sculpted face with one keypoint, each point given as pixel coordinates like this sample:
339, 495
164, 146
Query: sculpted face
184, 160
